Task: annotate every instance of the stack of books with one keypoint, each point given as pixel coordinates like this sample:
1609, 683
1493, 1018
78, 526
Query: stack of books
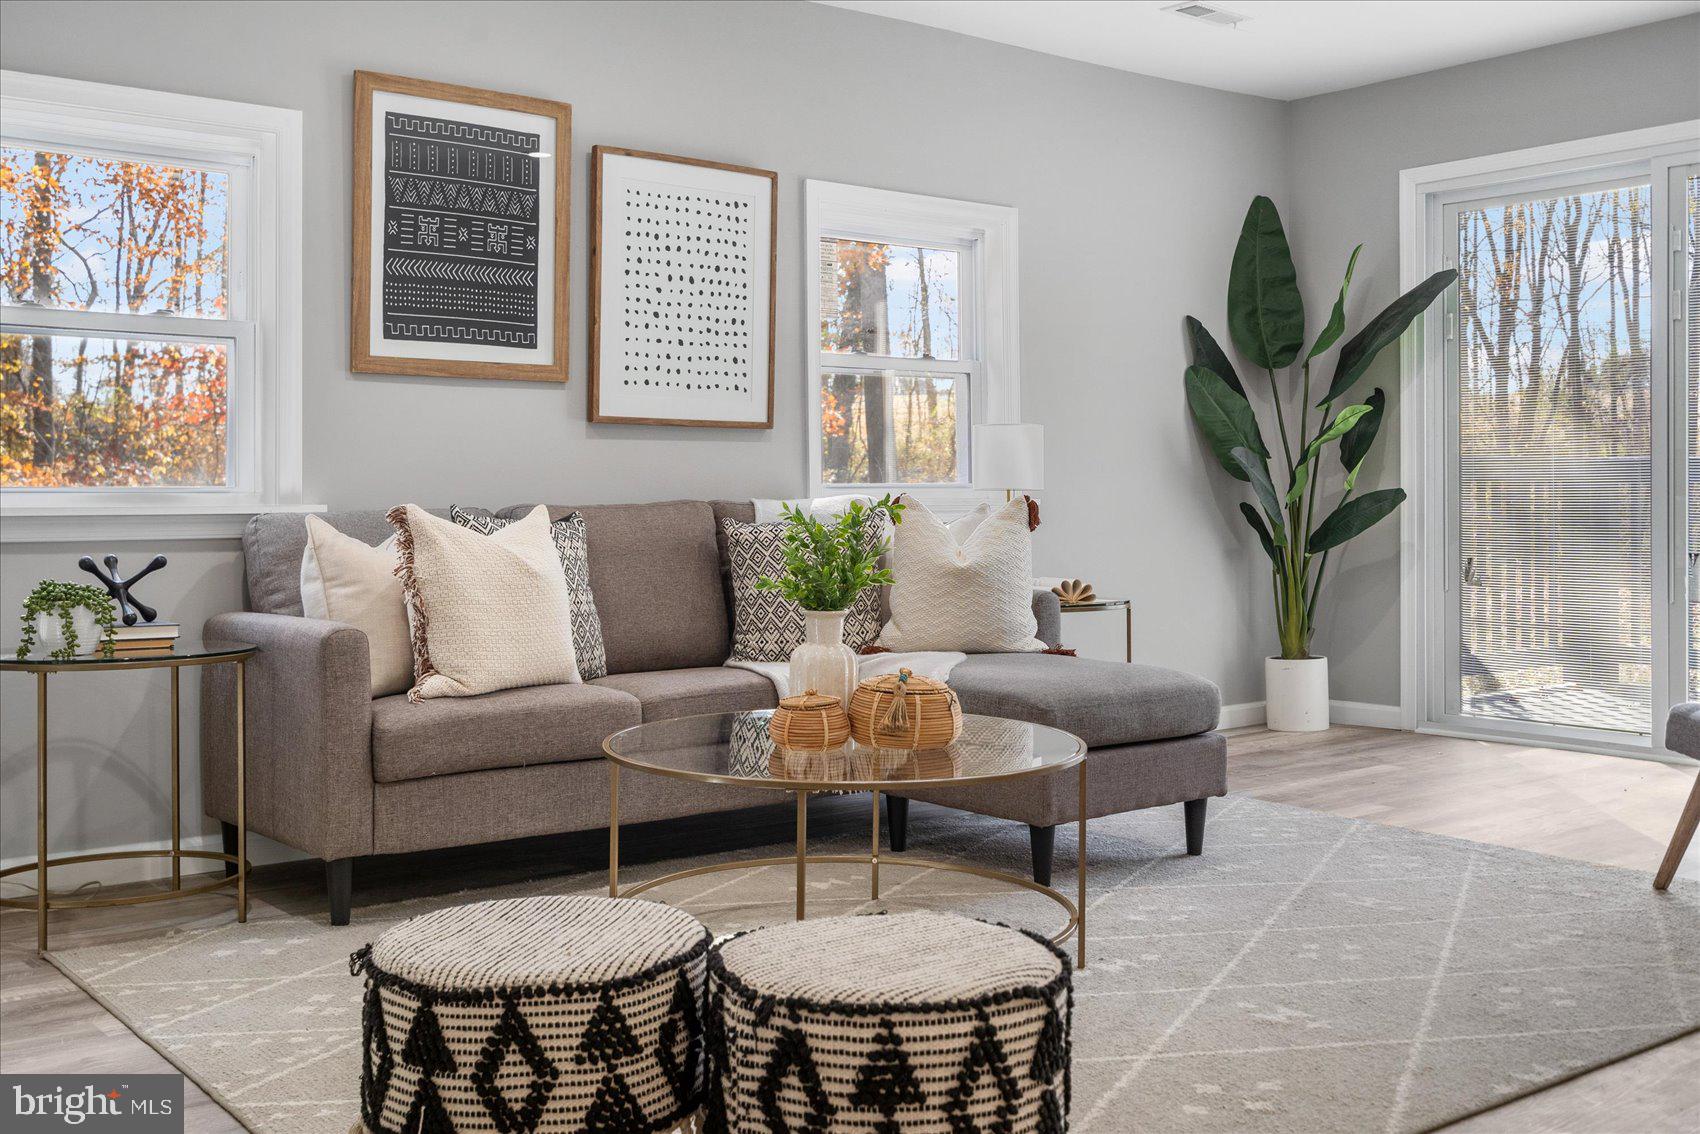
145, 637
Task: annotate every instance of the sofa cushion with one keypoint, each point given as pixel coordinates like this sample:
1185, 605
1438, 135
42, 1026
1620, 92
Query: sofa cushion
540, 724
655, 569
1101, 702
688, 692
272, 543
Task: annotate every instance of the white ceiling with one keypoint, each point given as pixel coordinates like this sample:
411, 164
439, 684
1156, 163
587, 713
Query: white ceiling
1285, 49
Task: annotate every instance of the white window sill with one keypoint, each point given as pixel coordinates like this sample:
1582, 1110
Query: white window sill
21, 525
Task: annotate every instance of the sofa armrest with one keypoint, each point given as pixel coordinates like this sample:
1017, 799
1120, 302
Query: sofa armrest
1047, 608
309, 732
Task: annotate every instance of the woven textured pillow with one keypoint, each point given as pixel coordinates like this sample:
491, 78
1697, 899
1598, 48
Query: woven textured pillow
973, 595
766, 626
573, 546
486, 612
344, 579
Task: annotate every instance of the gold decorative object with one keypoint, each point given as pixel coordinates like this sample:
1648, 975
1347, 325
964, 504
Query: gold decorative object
902, 710
810, 722
1075, 591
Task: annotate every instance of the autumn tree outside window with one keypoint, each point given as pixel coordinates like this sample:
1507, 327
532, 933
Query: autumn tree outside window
910, 305
149, 304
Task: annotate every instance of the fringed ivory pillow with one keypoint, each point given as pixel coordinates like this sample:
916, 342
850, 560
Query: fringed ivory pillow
344, 579
971, 591
486, 612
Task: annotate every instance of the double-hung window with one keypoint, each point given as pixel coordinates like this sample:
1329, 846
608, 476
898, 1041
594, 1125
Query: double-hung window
149, 306
910, 313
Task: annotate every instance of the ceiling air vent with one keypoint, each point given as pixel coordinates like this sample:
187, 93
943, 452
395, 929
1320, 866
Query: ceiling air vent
1205, 13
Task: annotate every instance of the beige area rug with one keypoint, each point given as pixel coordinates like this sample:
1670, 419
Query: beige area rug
1307, 974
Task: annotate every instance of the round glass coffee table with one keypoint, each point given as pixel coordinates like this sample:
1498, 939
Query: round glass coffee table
734, 749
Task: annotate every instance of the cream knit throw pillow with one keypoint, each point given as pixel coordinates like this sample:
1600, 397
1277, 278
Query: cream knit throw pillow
975, 595
344, 579
486, 612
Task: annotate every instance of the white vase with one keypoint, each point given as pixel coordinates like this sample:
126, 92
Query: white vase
1295, 694
823, 662
50, 633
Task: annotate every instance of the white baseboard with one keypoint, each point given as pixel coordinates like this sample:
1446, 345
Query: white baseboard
62, 879
1360, 713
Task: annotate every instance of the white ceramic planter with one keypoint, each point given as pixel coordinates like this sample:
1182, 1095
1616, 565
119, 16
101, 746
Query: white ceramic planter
823, 662
50, 634
1295, 694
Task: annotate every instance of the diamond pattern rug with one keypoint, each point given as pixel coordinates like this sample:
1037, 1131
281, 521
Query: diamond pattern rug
1308, 974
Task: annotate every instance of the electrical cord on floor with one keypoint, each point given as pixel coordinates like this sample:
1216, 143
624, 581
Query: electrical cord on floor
91, 886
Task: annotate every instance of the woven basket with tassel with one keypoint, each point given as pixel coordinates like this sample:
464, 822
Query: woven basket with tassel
809, 722
901, 710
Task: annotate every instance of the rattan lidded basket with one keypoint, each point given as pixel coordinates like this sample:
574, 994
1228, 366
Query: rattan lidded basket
809, 721
903, 710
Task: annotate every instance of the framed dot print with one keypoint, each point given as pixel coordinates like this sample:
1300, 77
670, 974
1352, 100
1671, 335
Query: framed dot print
461, 201
681, 291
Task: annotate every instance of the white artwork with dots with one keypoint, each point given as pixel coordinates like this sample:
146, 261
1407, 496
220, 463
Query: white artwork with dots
684, 293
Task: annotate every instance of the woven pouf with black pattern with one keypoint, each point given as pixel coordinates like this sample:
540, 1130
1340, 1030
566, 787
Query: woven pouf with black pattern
535, 1014
918, 1023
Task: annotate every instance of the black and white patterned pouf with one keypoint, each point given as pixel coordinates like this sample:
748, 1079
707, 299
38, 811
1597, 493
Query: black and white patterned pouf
535, 1014
918, 1023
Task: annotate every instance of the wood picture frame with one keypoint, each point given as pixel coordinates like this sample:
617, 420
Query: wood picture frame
750, 404
485, 304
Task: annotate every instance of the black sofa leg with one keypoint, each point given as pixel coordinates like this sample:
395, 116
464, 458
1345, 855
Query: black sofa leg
1195, 825
227, 831
339, 888
897, 823
1044, 840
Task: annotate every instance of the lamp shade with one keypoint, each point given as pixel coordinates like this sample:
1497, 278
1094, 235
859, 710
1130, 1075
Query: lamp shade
1009, 456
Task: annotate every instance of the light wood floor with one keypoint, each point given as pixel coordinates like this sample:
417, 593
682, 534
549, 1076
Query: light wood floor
1596, 808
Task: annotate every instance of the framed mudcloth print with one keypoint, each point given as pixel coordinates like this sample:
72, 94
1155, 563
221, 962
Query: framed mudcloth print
681, 290
460, 231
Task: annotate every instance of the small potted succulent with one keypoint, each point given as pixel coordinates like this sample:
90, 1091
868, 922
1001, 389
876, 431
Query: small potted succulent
67, 619
826, 567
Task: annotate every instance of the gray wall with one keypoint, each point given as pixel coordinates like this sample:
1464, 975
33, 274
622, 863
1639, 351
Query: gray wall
1130, 191
1347, 150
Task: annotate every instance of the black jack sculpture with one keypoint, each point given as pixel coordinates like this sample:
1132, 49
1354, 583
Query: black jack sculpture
130, 607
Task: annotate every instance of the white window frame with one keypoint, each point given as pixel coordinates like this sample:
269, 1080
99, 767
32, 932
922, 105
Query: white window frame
1427, 582
259, 148
986, 238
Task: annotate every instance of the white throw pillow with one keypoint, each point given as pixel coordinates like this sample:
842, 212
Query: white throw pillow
487, 612
972, 592
344, 579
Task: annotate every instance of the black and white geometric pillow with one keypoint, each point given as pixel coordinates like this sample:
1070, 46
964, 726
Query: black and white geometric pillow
767, 626
573, 547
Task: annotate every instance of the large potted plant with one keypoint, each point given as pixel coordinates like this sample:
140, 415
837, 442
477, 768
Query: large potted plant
826, 567
1294, 524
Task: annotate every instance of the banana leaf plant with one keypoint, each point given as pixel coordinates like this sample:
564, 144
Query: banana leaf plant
1266, 322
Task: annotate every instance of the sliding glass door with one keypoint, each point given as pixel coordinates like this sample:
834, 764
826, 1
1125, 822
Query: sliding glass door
1572, 398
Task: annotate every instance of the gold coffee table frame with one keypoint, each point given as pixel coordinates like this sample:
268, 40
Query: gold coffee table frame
802, 789
193, 657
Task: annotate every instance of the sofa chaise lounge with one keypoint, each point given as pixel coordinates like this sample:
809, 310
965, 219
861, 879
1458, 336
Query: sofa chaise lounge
339, 774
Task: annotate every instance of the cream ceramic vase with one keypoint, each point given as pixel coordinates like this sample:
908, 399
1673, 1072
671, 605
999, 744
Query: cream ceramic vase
1295, 694
823, 662
50, 632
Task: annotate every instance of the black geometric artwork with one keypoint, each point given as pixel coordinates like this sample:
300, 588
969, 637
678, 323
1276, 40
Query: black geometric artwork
133, 609
461, 231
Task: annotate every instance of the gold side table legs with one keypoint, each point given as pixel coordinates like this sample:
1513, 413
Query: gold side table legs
802, 850
1080, 864
42, 903
41, 812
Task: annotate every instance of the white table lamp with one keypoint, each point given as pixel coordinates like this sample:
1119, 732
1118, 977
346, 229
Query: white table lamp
1010, 457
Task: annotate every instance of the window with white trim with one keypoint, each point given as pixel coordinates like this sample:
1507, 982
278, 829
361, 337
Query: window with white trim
149, 302
910, 315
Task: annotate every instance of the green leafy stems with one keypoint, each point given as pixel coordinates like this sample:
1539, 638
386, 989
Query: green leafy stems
62, 599
1267, 325
827, 566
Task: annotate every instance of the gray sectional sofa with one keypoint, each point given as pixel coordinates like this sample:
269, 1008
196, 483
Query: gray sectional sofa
339, 774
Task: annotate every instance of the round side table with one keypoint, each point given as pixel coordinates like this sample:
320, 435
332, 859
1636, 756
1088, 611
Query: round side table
184, 654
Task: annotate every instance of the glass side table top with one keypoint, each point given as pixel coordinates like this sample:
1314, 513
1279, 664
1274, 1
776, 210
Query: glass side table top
184, 651
734, 748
